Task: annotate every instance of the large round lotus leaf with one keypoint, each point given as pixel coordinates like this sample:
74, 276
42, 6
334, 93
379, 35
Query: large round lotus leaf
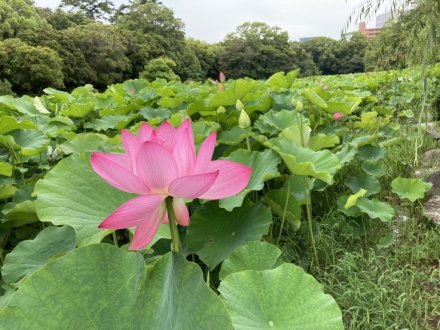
273, 122
370, 152
103, 287
304, 161
30, 255
85, 142
214, 233
367, 182
109, 122
281, 80
5, 169
264, 167
376, 209
252, 256
374, 168
8, 124
282, 298
411, 189
31, 142
73, 194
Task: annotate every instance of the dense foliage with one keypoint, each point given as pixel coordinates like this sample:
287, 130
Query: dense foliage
319, 149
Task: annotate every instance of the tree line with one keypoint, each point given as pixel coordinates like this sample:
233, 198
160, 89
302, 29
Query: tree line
92, 42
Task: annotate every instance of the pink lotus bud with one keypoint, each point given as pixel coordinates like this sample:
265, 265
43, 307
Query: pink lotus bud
338, 116
132, 90
221, 77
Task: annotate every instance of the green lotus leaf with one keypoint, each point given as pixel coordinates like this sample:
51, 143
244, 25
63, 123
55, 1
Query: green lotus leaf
306, 162
283, 204
64, 121
376, 209
73, 194
7, 191
370, 152
151, 113
374, 168
282, 298
281, 80
31, 142
109, 122
215, 233
300, 135
77, 109
367, 182
85, 142
103, 287
255, 255
273, 122
297, 187
233, 136
30, 255
411, 189
347, 154
202, 129
353, 211
23, 105
314, 98
5, 169
323, 141
363, 140
241, 89
18, 215
352, 199
265, 167
9, 124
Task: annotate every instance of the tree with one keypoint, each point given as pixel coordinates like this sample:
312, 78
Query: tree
351, 53
29, 69
93, 9
324, 52
208, 56
104, 49
256, 50
157, 23
160, 68
304, 60
61, 20
17, 16
76, 70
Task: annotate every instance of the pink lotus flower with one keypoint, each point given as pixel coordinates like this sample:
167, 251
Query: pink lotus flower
160, 163
338, 116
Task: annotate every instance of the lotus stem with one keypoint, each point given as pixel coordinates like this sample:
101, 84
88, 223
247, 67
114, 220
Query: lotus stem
309, 219
284, 212
176, 246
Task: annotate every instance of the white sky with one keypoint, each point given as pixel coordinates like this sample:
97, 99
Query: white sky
211, 20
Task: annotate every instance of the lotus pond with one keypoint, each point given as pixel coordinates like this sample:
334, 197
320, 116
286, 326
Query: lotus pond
302, 196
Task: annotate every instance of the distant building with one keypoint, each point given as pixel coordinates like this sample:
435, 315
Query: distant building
381, 20
305, 39
369, 33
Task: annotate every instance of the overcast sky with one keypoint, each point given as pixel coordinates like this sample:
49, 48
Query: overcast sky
211, 20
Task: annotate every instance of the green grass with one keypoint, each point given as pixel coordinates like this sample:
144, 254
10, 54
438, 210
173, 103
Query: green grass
394, 288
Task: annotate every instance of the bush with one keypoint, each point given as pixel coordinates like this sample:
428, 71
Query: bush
29, 68
160, 68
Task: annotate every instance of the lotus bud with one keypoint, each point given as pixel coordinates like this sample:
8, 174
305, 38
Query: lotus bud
299, 106
239, 106
221, 77
244, 121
